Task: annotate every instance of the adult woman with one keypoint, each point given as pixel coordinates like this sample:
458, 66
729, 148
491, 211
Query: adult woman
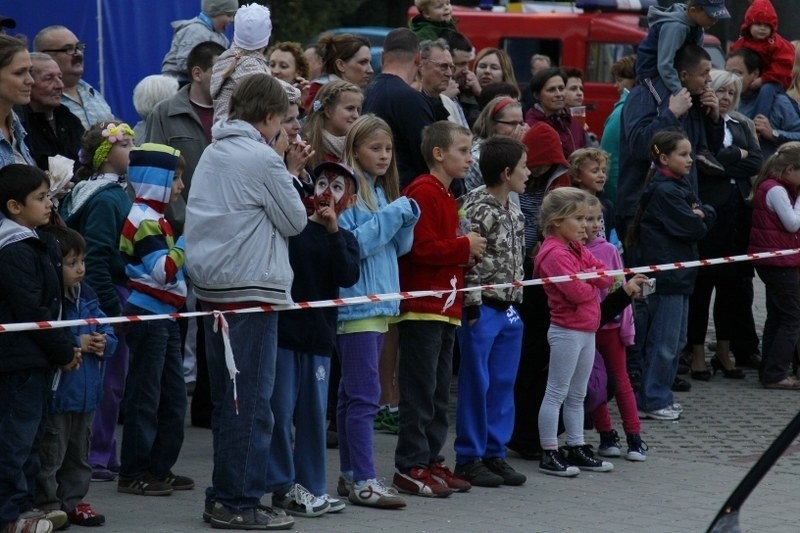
335, 108
501, 116
287, 62
344, 56
493, 65
15, 89
548, 90
794, 88
726, 191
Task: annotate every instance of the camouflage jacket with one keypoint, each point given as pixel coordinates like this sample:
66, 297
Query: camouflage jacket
504, 229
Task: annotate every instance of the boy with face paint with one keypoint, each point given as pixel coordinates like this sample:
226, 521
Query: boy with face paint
324, 257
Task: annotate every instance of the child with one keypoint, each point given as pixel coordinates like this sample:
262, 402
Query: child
336, 106
155, 392
490, 336
382, 222
428, 325
215, 16
775, 227
670, 221
30, 290
611, 340
64, 479
323, 258
97, 207
588, 169
574, 319
435, 19
759, 33
671, 28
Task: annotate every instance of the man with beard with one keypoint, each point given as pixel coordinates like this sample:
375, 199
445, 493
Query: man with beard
83, 100
51, 128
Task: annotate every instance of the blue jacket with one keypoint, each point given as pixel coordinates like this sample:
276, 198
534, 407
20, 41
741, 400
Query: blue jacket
382, 236
783, 117
645, 112
80, 391
7, 151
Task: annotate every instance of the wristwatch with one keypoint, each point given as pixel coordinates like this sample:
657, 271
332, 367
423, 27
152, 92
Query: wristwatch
775, 135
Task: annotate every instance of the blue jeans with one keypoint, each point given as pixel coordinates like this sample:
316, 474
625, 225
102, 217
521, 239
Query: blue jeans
490, 352
663, 329
241, 441
23, 406
300, 397
426, 365
155, 398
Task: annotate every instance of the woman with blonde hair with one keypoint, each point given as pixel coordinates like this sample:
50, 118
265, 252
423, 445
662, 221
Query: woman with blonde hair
493, 65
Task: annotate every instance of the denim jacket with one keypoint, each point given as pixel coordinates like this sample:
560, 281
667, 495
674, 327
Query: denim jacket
7, 151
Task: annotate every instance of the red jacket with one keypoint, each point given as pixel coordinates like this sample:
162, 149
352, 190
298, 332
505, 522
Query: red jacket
438, 251
574, 304
776, 53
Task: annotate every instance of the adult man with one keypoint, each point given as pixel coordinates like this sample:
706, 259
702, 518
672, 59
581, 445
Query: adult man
469, 88
783, 123
539, 62
184, 122
391, 97
83, 100
435, 73
51, 128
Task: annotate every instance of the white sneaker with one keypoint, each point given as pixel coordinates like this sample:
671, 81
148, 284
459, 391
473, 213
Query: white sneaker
373, 493
298, 501
30, 522
336, 504
678, 408
666, 413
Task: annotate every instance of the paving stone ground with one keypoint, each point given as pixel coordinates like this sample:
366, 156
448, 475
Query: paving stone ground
693, 466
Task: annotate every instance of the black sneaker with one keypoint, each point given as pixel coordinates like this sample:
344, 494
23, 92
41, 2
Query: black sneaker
552, 463
260, 517
478, 475
179, 482
609, 444
637, 449
144, 485
681, 385
583, 457
499, 466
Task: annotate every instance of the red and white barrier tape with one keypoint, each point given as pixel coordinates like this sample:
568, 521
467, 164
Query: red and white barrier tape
389, 297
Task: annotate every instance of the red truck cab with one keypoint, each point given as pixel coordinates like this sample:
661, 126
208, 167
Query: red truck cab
591, 38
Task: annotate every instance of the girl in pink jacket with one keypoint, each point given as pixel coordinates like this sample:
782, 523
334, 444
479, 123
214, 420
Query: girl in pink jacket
574, 319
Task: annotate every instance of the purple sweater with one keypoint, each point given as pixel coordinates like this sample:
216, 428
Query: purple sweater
607, 254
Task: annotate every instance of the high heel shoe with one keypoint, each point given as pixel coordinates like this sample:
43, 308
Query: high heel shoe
701, 375
732, 373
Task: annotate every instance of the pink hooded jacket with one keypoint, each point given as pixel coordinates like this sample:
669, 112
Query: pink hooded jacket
607, 254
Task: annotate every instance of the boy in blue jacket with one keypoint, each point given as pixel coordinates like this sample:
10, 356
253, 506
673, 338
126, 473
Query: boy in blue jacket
30, 291
65, 474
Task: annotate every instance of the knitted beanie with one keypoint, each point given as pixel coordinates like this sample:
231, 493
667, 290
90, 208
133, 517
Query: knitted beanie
544, 146
252, 27
212, 8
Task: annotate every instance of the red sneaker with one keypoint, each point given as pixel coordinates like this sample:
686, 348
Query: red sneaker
418, 481
442, 473
84, 515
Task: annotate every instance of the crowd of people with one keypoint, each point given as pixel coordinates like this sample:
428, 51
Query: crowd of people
267, 173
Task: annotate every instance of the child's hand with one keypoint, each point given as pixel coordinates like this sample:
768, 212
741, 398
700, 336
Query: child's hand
477, 245
679, 104
77, 358
756, 84
520, 131
301, 84
699, 212
633, 287
281, 142
329, 218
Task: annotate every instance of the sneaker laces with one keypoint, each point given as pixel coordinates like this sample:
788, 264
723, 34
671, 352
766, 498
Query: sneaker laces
610, 439
304, 497
378, 487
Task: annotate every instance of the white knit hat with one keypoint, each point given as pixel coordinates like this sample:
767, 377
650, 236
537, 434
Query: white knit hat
252, 27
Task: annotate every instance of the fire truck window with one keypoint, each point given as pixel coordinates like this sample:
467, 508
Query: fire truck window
601, 57
520, 49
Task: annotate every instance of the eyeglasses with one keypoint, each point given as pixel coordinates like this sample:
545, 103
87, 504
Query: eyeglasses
511, 122
70, 50
444, 67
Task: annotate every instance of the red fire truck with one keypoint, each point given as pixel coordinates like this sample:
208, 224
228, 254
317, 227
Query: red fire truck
588, 34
